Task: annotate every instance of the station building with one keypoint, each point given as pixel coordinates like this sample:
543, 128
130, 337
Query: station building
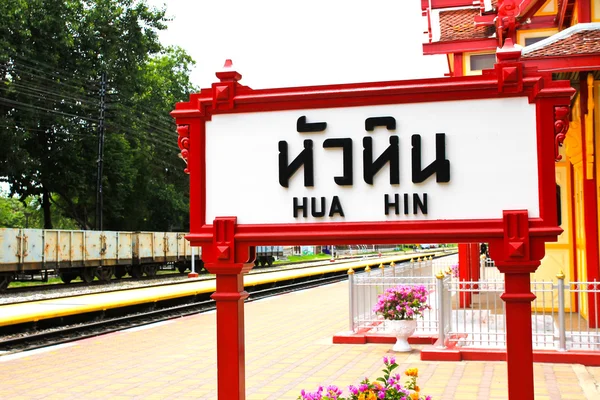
561, 37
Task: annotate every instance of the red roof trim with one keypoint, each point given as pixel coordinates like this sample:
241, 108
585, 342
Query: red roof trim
459, 46
445, 4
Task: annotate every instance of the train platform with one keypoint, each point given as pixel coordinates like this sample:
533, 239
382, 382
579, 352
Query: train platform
288, 348
34, 311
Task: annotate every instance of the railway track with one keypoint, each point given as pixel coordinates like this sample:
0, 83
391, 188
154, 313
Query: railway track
25, 337
52, 291
47, 332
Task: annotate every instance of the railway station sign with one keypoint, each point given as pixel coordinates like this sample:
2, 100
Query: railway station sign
467, 159
374, 162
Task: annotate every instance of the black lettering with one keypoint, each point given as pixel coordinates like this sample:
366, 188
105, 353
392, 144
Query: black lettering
395, 204
440, 167
391, 155
336, 207
313, 207
305, 158
303, 207
303, 127
388, 122
405, 203
418, 204
346, 145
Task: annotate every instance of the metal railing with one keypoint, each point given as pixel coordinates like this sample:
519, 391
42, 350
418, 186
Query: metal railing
366, 286
472, 314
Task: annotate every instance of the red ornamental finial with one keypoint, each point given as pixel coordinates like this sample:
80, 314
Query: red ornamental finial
227, 73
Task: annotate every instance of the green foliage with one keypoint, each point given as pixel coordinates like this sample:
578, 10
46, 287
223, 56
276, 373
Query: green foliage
15, 213
52, 54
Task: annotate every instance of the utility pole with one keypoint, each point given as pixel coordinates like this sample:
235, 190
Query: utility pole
99, 199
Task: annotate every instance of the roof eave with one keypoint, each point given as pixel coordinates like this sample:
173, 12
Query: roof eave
460, 46
566, 63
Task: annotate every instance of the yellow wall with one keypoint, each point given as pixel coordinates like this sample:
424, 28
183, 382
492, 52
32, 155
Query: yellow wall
597, 137
574, 150
559, 255
596, 13
580, 254
550, 7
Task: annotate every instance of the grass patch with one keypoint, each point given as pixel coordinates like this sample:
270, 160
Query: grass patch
51, 281
309, 257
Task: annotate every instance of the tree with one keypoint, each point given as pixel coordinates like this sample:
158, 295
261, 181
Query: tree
15, 213
51, 57
160, 197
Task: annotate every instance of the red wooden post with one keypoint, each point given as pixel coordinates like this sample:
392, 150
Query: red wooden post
517, 256
474, 264
223, 259
464, 274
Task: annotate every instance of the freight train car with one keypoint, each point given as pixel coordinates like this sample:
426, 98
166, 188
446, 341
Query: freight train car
90, 254
266, 255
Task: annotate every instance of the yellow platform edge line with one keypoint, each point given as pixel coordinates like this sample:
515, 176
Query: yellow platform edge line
155, 294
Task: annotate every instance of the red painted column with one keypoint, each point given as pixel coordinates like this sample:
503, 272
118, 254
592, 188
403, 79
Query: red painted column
519, 344
474, 263
231, 354
464, 274
458, 64
229, 261
517, 255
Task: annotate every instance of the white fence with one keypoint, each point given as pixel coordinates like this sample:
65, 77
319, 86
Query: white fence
471, 313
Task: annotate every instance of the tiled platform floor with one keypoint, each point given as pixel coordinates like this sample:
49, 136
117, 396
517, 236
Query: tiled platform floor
288, 347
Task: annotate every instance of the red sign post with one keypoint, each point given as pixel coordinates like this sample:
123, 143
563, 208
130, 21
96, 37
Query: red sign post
374, 163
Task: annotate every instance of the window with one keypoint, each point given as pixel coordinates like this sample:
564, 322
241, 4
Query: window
482, 61
531, 40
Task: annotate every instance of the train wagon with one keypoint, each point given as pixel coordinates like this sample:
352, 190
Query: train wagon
89, 254
266, 255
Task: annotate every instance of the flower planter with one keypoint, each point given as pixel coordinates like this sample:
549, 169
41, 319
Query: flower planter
402, 329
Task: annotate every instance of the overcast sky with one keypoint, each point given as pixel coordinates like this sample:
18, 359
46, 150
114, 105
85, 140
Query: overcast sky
278, 43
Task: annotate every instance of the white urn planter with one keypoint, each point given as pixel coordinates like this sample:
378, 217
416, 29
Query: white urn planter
402, 329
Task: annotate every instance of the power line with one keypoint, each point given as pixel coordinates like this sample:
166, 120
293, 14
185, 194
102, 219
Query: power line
33, 88
35, 65
18, 103
37, 75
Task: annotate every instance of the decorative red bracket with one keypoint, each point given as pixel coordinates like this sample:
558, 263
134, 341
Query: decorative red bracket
506, 22
561, 126
184, 144
224, 254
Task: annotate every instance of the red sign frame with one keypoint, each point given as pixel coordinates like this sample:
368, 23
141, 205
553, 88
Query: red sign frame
516, 241
229, 96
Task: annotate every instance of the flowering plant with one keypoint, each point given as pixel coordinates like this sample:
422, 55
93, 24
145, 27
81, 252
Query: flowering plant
387, 387
453, 270
402, 302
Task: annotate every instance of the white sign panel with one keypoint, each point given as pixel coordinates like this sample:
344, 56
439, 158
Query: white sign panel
452, 160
